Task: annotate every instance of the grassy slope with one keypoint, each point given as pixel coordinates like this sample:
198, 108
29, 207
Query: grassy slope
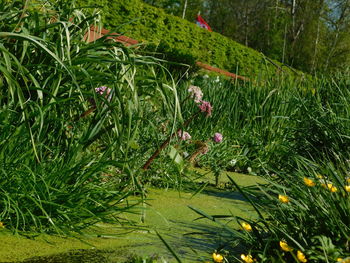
181, 40
167, 212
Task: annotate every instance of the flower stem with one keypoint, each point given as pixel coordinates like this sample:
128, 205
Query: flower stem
166, 142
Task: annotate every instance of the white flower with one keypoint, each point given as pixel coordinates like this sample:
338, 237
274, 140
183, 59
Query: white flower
196, 93
233, 162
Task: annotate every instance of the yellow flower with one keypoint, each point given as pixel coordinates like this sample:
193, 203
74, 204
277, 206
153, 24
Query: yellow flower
320, 176
247, 258
347, 179
2, 225
345, 260
246, 227
332, 188
301, 256
283, 198
309, 182
347, 188
284, 246
217, 257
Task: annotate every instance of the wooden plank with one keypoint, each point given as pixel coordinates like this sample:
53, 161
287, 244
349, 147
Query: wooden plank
95, 33
220, 71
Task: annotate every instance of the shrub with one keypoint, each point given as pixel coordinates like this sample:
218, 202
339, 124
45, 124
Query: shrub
182, 41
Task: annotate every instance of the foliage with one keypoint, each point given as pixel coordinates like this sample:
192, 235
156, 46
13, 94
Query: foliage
182, 41
295, 136
312, 218
68, 154
266, 123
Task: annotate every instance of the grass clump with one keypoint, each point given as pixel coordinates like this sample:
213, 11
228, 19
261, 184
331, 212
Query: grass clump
71, 117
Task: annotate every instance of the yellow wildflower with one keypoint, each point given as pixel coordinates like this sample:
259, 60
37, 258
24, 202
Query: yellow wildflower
247, 258
2, 225
347, 179
347, 188
283, 198
217, 257
246, 227
301, 256
284, 246
320, 176
332, 188
309, 182
345, 260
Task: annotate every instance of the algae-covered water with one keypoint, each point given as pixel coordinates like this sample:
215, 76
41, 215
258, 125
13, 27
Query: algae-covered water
166, 211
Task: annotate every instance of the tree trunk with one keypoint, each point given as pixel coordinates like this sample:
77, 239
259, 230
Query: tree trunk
316, 44
184, 10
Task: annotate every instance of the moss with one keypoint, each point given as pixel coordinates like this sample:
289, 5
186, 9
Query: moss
166, 210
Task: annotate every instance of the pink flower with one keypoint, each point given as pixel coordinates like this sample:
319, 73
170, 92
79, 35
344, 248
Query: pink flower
196, 93
101, 90
205, 107
183, 135
217, 137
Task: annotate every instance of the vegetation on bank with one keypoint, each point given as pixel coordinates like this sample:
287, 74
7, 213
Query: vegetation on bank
71, 116
296, 137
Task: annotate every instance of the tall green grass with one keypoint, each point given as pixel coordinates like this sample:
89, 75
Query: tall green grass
266, 123
63, 170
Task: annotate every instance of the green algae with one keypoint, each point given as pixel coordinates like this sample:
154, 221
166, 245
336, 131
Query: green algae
165, 211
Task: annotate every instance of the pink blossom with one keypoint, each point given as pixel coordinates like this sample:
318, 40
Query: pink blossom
101, 90
183, 135
196, 93
217, 137
205, 107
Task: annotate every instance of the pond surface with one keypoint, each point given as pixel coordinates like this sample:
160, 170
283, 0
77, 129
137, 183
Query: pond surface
165, 211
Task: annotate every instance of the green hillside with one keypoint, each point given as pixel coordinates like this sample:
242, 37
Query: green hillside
181, 40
